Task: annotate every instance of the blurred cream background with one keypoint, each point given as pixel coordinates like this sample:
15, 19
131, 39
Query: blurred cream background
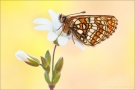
109, 65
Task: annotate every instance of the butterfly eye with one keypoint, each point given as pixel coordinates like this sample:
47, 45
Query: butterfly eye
60, 18
63, 19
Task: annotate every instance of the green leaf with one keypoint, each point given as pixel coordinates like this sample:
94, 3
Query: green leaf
32, 62
56, 79
45, 64
47, 79
48, 57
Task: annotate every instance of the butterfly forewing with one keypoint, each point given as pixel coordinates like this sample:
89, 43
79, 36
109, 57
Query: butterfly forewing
92, 29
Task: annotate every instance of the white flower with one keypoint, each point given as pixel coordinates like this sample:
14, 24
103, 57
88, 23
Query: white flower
20, 55
52, 27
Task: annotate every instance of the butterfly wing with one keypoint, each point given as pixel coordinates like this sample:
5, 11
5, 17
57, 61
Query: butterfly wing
92, 29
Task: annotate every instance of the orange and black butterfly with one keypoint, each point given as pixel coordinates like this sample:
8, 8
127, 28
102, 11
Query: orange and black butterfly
89, 29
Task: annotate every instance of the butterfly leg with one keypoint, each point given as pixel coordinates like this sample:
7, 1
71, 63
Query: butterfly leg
62, 30
59, 27
73, 39
60, 33
72, 34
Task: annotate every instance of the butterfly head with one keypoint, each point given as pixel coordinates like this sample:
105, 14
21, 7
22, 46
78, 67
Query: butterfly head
62, 18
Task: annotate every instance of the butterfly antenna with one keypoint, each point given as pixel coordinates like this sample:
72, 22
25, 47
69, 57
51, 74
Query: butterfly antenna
76, 13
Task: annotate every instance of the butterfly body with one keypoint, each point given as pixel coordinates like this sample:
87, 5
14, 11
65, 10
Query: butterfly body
89, 29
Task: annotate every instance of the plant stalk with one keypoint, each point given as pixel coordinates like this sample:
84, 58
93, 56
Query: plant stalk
52, 86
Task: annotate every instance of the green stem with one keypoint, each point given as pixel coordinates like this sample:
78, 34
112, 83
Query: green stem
53, 64
53, 61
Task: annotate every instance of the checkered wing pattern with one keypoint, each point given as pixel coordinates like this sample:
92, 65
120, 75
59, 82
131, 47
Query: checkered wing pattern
91, 30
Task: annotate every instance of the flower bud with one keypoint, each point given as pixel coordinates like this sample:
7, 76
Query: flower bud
48, 57
20, 55
47, 78
57, 70
56, 79
59, 65
45, 64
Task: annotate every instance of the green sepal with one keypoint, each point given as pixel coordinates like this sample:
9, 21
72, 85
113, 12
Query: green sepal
47, 78
45, 64
32, 62
56, 42
56, 79
48, 57
32, 57
35, 59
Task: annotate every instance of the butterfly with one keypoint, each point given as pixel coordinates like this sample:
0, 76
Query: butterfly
89, 29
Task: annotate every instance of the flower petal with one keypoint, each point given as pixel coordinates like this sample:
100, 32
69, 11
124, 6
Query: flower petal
62, 40
55, 19
69, 36
42, 21
79, 44
43, 27
20, 55
52, 36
